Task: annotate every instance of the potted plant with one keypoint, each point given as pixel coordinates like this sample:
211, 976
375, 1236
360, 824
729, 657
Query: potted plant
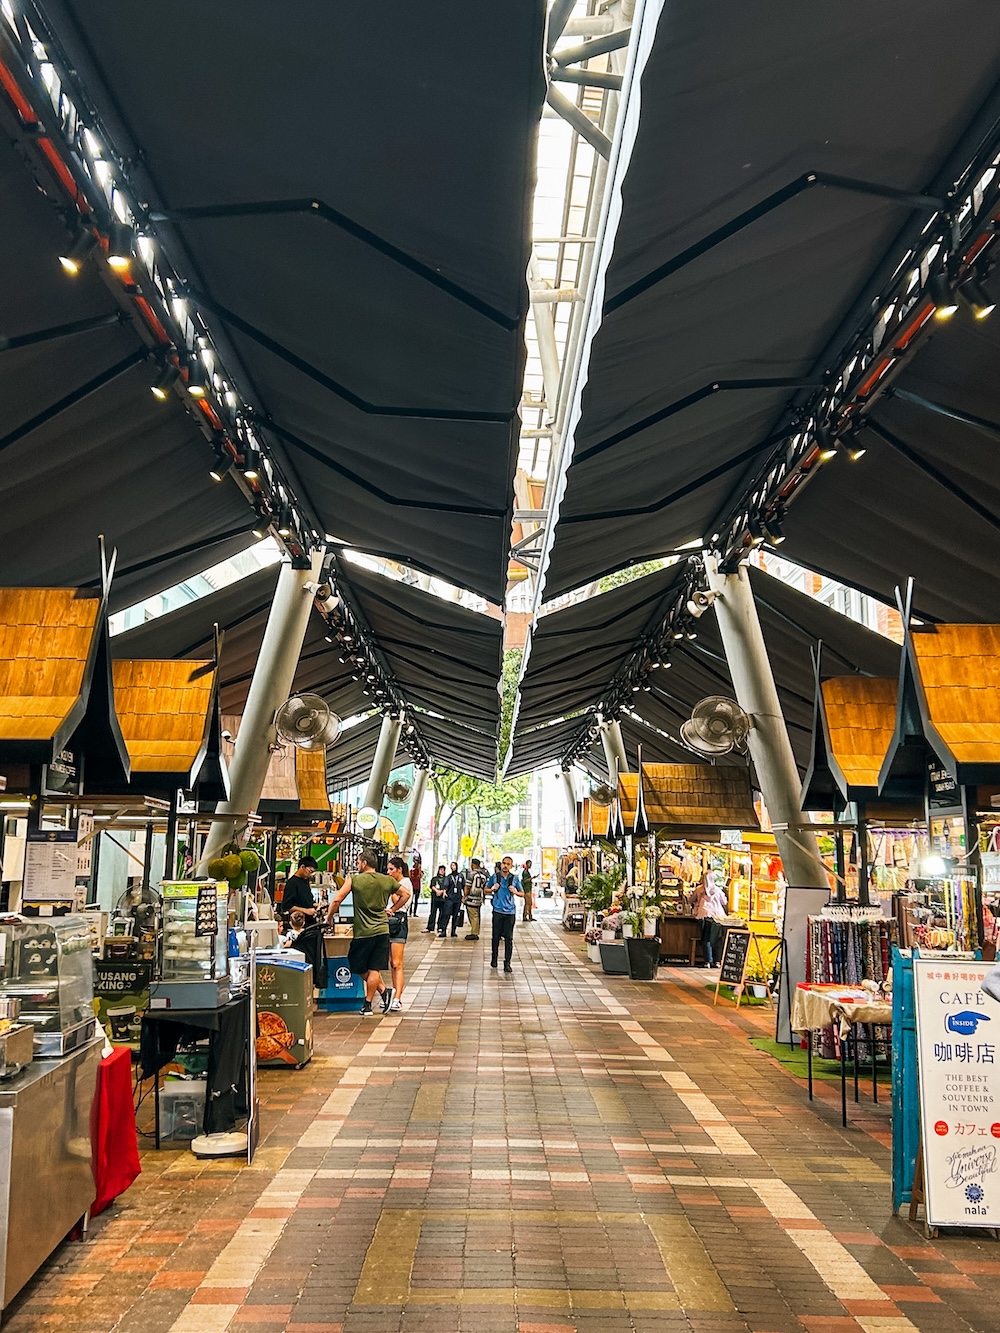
593, 938
610, 926
643, 946
756, 981
600, 888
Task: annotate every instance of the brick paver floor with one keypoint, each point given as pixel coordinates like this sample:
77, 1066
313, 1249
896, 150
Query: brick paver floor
547, 1152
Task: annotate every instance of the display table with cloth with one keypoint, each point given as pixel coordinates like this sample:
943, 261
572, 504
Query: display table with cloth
113, 1135
228, 1031
818, 1005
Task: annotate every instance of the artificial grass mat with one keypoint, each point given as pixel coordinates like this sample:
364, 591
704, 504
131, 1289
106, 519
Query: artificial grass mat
796, 1062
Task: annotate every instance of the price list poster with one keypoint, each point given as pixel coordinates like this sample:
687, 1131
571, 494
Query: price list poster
958, 1048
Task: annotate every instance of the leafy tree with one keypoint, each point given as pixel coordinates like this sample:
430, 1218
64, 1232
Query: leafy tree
508, 695
454, 792
517, 840
629, 574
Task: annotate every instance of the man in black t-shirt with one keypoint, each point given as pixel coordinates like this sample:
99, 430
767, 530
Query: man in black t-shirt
298, 894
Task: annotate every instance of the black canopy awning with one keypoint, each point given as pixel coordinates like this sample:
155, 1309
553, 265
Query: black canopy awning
85, 448
567, 641
349, 759
737, 273
347, 199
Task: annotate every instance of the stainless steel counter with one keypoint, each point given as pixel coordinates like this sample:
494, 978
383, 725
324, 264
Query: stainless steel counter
46, 1180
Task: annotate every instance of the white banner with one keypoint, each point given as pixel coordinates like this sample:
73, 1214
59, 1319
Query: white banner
958, 1049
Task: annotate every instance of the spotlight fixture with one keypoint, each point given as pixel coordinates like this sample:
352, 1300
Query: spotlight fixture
981, 303
827, 443
942, 294
856, 451
197, 378
772, 530
691, 634
678, 634
120, 244
263, 522
251, 463
83, 242
284, 521
222, 463
166, 377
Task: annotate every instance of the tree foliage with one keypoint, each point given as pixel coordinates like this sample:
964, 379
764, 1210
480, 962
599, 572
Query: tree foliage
628, 575
454, 791
508, 694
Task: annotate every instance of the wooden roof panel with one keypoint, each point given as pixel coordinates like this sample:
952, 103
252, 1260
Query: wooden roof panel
959, 669
310, 778
861, 719
163, 709
689, 794
45, 640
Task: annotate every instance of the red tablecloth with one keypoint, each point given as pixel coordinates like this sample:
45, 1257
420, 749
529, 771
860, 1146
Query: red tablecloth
113, 1136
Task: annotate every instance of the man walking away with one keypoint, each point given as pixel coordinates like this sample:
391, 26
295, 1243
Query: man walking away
528, 888
475, 889
368, 956
505, 888
438, 883
453, 893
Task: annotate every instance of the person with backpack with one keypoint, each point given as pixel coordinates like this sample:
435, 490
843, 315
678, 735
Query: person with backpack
475, 891
438, 886
505, 889
528, 886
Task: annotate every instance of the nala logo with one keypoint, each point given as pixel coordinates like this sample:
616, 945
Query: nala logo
965, 1023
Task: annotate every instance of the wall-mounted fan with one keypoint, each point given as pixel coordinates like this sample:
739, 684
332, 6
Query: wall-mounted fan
398, 791
602, 794
717, 726
306, 721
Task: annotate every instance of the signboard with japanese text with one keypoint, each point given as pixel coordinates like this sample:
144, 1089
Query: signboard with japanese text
958, 1050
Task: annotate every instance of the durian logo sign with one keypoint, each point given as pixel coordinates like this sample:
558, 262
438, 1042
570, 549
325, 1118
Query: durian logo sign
958, 1037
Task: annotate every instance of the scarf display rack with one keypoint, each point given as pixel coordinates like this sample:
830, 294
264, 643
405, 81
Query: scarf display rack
846, 951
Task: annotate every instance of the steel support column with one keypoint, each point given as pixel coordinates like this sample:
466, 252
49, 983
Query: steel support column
270, 686
413, 813
771, 750
614, 749
385, 754
569, 787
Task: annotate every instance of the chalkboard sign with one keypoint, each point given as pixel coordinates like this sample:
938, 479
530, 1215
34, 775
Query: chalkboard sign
735, 954
206, 911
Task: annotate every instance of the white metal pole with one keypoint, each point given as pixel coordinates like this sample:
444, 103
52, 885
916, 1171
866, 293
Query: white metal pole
569, 787
413, 813
385, 754
270, 686
614, 749
777, 773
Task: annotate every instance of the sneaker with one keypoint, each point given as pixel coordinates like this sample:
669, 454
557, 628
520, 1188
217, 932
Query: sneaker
396, 1006
387, 995
366, 1010
472, 937
507, 967
442, 935
494, 966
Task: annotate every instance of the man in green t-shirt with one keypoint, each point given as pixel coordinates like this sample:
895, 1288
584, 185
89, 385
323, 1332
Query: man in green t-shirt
375, 900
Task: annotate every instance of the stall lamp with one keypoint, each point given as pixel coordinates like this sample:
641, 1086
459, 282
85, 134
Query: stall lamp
940, 289
83, 242
120, 244
933, 867
222, 464
165, 379
974, 292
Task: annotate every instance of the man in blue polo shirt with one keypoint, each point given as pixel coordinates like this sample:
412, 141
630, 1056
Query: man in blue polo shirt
504, 888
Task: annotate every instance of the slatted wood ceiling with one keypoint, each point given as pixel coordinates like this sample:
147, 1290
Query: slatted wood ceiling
959, 668
688, 795
162, 709
45, 640
861, 719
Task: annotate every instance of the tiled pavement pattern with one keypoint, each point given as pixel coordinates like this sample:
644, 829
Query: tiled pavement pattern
541, 1153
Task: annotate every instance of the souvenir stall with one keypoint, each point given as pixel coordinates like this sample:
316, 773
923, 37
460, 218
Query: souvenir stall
677, 813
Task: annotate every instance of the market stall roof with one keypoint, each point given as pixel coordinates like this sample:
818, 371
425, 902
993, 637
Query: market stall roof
349, 759
738, 272
359, 258
169, 715
87, 450
855, 722
689, 796
55, 684
605, 630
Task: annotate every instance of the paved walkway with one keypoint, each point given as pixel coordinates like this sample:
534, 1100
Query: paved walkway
541, 1153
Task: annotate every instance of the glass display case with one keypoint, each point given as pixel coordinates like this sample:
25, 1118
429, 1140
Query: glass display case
194, 945
47, 964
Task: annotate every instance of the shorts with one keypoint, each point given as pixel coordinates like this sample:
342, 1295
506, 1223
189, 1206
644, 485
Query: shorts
399, 927
370, 953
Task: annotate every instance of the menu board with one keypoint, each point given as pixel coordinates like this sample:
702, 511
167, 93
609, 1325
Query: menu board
958, 1049
206, 911
49, 866
734, 957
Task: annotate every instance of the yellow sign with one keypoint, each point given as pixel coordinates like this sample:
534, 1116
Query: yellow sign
467, 845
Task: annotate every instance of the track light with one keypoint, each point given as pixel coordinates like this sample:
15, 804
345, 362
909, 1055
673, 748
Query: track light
166, 377
827, 444
83, 242
263, 522
942, 294
120, 243
197, 378
251, 463
284, 521
978, 298
222, 463
856, 451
